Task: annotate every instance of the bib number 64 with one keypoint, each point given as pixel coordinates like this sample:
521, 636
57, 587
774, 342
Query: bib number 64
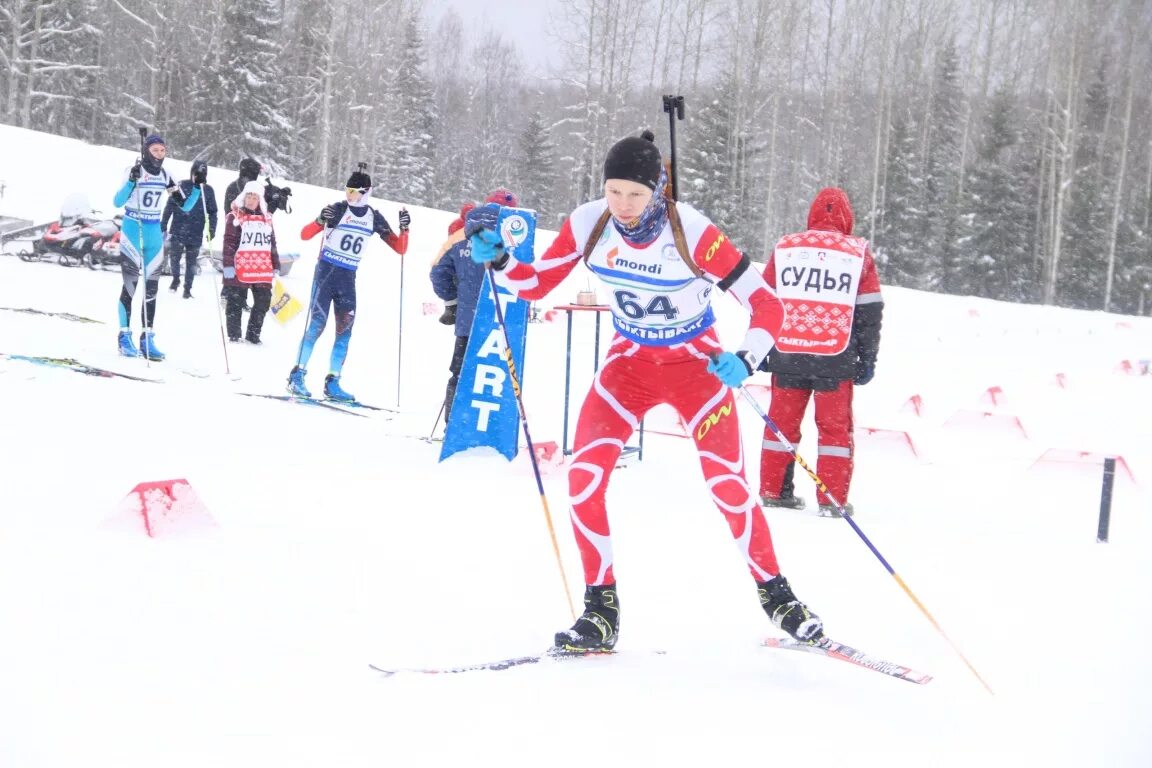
631, 307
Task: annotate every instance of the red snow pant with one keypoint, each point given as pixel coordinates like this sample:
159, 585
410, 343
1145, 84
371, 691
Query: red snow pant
633, 379
834, 450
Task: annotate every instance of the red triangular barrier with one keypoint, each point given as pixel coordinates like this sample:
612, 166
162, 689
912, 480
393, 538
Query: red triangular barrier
1067, 458
914, 404
993, 396
546, 451
894, 437
985, 421
166, 508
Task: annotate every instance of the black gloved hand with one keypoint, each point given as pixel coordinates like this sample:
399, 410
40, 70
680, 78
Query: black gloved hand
864, 372
449, 315
134, 174
405, 222
326, 215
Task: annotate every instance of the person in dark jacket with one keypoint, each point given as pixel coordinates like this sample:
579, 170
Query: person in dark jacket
185, 231
249, 171
457, 280
831, 336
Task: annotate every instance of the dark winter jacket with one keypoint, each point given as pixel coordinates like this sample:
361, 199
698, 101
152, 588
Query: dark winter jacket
832, 212
455, 277
234, 189
188, 228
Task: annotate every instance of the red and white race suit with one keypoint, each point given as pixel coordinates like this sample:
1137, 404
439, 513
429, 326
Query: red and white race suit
664, 335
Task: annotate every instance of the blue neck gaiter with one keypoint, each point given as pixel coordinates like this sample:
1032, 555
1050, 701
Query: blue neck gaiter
651, 221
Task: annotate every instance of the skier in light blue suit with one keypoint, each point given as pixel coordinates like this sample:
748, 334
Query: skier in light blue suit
141, 240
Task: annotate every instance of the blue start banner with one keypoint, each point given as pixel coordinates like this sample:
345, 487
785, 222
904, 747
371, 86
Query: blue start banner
484, 410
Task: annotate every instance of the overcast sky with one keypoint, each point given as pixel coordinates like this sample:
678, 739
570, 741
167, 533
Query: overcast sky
524, 21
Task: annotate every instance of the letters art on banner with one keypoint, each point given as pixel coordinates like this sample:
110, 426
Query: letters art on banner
484, 409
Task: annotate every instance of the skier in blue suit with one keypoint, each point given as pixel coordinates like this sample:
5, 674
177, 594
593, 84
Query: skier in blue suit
346, 227
141, 240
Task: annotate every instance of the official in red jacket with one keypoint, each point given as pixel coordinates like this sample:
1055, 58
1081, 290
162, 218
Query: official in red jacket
250, 261
827, 280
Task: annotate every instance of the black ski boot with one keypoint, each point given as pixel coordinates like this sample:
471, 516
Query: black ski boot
831, 510
784, 502
597, 628
788, 613
787, 497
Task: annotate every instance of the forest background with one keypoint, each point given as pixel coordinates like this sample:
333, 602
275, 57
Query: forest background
997, 148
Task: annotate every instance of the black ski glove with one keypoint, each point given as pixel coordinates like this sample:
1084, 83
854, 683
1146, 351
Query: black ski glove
134, 174
449, 315
405, 222
326, 215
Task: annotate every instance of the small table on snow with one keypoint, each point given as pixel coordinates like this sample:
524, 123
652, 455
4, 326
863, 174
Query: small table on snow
596, 310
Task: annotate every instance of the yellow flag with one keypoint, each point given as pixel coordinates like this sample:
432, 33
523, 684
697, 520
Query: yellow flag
285, 306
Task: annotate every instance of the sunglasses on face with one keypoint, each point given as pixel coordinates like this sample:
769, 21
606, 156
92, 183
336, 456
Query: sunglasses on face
356, 190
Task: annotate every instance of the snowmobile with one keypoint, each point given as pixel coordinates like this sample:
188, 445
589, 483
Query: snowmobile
104, 251
59, 241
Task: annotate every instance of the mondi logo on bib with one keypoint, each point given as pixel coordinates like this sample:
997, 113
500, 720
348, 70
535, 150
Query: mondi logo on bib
651, 269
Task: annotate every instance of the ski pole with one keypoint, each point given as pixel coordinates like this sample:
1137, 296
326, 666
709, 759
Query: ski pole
528, 435
400, 333
674, 106
437, 422
840, 507
215, 291
142, 277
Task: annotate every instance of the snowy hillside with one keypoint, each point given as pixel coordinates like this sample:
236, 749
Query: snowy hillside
328, 542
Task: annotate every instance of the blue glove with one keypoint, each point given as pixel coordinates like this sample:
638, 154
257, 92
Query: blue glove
487, 246
229, 273
864, 372
730, 368
480, 218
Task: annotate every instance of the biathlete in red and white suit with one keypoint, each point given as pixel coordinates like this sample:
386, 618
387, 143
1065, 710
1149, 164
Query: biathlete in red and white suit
665, 350
831, 292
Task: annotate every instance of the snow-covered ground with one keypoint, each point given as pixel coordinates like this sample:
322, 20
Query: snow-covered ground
329, 542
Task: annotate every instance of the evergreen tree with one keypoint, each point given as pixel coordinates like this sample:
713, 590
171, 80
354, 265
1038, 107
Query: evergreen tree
65, 68
536, 176
902, 231
1082, 265
943, 171
47, 65
243, 89
408, 151
705, 164
995, 244
310, 88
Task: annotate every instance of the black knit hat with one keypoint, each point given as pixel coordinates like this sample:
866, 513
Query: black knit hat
634, 158
250, 167
359, 180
